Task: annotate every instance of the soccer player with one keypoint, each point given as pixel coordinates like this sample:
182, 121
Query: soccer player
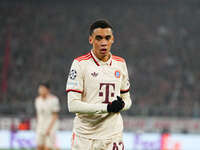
47, 108
98, 90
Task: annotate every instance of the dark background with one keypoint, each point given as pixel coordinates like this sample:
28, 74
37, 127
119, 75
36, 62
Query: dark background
159, 39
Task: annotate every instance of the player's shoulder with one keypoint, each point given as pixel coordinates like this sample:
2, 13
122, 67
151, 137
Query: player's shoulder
118, 58
38, 98
52, 96
54, 99
84, 57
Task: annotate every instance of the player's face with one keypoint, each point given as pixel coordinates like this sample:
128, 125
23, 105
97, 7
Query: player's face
43, 91
102, 40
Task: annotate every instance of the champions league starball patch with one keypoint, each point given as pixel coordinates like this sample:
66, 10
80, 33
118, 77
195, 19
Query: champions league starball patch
72, 74
117, 74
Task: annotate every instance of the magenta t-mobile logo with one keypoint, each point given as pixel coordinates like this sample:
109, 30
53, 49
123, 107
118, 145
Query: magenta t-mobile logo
17, 139
109, 91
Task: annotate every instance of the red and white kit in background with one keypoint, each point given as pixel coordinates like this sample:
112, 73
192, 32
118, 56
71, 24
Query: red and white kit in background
91, 85
44, 110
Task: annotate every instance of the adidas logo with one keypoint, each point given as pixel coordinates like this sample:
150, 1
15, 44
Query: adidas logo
94, 74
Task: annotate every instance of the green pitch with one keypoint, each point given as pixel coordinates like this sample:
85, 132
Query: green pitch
17, 149
27, 149
24, 149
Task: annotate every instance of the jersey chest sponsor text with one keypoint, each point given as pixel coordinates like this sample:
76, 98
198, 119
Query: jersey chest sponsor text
103, 82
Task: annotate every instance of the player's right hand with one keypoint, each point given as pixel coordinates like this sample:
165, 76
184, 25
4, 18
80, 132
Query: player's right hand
116, 105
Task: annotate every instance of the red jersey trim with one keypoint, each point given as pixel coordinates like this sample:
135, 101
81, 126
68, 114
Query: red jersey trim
124, 91
117, 58
72, 90
94, 59
110, 62
87, 58
84, 57
73, 138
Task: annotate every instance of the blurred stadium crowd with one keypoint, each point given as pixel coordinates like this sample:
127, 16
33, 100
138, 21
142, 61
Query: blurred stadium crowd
159, 39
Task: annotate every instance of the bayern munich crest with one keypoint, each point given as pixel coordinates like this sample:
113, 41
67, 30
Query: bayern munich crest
117, 74
72, 74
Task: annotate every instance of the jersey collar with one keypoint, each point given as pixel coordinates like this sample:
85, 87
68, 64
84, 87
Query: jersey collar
98, 62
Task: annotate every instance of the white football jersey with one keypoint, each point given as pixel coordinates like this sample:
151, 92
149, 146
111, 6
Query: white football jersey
44, 110
98, 83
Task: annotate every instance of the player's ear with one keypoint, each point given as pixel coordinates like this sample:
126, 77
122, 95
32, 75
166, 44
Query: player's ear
90, 39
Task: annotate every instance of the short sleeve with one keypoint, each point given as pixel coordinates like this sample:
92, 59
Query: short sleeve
55, 105
75, 78
125, 85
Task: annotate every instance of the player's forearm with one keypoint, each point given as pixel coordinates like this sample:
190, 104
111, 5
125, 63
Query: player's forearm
75, 105
54, 118
127, 100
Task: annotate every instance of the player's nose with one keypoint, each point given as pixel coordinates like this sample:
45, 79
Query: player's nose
104, 43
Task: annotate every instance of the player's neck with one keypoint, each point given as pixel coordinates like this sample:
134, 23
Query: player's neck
104, 58
44, 97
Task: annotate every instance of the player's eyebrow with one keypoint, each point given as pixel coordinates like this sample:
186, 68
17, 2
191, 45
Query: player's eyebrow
108, 37
99, 37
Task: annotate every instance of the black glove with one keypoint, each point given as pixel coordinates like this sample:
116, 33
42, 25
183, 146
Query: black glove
116, 105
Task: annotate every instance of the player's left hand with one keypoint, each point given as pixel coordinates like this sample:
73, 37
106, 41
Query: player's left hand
116, 105
48, 133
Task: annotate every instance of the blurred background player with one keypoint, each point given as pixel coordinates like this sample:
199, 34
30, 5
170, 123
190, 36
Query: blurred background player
98, 89
47, 108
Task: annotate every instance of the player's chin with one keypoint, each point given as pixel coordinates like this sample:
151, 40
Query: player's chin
103, 55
